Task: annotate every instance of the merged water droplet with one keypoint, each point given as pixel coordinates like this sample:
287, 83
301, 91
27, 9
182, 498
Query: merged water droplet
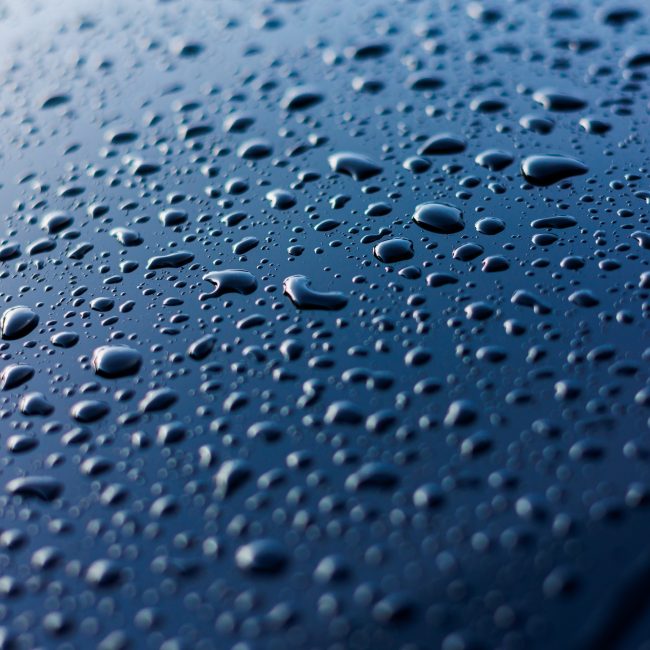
556, 100
298, 288
18, 322
114, 361
359, 166
230, 281
442, 144
439, 218
547, 169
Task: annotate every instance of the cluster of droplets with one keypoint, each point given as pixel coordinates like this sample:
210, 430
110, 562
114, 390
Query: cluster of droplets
326, 342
